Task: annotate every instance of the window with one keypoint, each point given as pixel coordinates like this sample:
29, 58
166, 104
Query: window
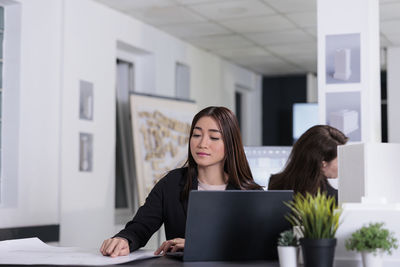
242, 111
124, 156
1, 77
10, 46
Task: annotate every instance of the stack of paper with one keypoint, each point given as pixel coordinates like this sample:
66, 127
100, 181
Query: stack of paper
34, 251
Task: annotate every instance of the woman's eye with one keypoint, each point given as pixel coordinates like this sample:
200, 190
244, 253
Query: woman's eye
215, 138
195, 135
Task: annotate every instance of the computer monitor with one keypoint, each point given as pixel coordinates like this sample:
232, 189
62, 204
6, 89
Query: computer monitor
305, 115
266, 160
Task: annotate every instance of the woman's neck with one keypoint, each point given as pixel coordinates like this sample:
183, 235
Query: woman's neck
212, 175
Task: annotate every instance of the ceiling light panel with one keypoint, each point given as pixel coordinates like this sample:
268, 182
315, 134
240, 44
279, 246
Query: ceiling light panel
241, 52
394, 39
390, 11
128, 5
166, 15
294, 49
194, 30
281, 37
307, 65
270, 69
290, 6
258, 60
232, 9
303, 58
312, 31
390, 27
258, 24
304, 20
388, 1
221, 42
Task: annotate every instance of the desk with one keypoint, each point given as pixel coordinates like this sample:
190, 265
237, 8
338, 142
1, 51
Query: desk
166, 261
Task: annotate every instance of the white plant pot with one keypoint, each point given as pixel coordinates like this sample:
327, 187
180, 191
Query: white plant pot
297, 232
288, 256
371, 260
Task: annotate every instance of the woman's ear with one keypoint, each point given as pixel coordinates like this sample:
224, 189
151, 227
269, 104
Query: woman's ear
323, 167
329, 168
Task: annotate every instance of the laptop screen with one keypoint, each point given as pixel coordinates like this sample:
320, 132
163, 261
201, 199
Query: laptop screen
235, 225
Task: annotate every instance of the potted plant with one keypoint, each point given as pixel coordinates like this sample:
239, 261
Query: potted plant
288, 247
318, 218
372, 241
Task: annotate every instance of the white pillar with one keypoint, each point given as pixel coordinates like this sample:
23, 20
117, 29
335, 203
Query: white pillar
348, 67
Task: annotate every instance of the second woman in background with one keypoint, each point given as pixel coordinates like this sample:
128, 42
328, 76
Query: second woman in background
312, 161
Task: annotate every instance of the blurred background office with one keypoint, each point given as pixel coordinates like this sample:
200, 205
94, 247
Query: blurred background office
68, 67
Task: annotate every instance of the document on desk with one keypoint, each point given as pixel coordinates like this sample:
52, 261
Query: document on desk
34, 251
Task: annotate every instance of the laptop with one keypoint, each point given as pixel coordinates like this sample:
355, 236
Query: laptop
235, 225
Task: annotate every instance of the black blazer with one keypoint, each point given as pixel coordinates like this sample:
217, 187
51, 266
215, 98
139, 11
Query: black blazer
163, 205
330, 191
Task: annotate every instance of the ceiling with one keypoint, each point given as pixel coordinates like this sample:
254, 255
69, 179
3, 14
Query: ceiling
270, 37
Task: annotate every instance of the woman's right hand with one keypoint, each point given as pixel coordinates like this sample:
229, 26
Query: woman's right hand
173, 245
115, 247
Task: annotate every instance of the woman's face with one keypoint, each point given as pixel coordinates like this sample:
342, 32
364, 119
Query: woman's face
330, 169
206, 144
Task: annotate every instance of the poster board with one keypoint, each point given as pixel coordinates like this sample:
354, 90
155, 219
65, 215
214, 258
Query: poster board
160, 128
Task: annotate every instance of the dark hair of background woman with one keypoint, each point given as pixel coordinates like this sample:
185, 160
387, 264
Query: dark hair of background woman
303, 171
236, 165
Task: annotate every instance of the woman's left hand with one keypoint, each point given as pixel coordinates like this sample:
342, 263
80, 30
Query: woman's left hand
172, 245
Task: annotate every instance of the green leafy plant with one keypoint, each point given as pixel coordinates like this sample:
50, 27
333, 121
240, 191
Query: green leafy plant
372, 238
317, 216
288, 239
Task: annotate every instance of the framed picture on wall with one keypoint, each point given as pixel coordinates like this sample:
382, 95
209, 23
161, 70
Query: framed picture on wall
343, 58
343, 111
160, 128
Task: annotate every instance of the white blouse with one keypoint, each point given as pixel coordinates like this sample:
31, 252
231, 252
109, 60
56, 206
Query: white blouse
209, 187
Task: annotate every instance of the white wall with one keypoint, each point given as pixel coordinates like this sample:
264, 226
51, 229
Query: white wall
393, 94
67, 41
251, 127
90, 48
369, 171
10, 109
38, 127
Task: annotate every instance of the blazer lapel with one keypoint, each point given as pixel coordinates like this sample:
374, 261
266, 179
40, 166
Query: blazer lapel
184, 202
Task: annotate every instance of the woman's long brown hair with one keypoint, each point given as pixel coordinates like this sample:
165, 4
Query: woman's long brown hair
235, 165
303, 172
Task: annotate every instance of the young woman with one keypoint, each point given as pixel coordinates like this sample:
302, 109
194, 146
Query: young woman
312, 161
216, 161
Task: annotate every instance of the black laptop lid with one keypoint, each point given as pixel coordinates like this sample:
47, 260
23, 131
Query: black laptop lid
235, 225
